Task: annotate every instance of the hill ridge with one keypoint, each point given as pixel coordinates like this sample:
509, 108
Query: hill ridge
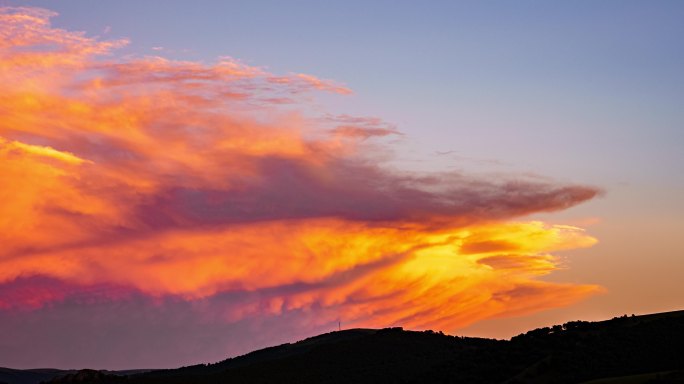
650, 345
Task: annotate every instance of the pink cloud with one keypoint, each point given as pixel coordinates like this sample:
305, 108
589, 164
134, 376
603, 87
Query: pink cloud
182, 186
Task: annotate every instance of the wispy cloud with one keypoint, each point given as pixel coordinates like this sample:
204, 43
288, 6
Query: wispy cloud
186, 182
360, 127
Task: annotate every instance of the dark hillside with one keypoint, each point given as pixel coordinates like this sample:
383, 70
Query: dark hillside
569, 353
635, 349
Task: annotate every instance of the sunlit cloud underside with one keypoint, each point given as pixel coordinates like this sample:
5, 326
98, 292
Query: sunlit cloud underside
125, 177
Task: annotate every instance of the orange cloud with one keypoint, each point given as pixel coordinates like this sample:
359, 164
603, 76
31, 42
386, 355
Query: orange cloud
360, 127
185, 180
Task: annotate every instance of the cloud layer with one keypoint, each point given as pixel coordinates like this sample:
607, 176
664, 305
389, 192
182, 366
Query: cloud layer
181, 186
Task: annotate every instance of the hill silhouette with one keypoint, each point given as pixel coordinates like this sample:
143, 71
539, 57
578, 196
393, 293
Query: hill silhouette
634, 349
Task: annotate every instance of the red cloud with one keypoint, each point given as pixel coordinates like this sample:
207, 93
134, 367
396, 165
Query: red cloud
184, 181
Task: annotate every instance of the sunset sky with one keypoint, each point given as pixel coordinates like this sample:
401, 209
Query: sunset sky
181, 182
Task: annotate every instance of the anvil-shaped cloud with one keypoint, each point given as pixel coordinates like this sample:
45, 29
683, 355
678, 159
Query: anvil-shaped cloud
162, 182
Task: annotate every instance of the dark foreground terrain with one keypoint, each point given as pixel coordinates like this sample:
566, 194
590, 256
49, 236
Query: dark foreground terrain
635, 349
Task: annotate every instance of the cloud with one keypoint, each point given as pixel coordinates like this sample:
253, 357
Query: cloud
324, 85
361, 127
217, 189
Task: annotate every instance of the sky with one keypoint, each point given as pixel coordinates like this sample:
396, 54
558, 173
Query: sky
181, 183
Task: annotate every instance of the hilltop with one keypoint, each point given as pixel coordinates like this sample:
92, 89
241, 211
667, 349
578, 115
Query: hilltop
649, 348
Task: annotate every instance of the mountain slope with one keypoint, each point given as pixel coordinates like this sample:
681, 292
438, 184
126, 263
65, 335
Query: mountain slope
570, 353
29, 376
35, 376
574, 352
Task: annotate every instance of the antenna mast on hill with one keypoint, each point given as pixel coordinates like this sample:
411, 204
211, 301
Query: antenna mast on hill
339, 325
